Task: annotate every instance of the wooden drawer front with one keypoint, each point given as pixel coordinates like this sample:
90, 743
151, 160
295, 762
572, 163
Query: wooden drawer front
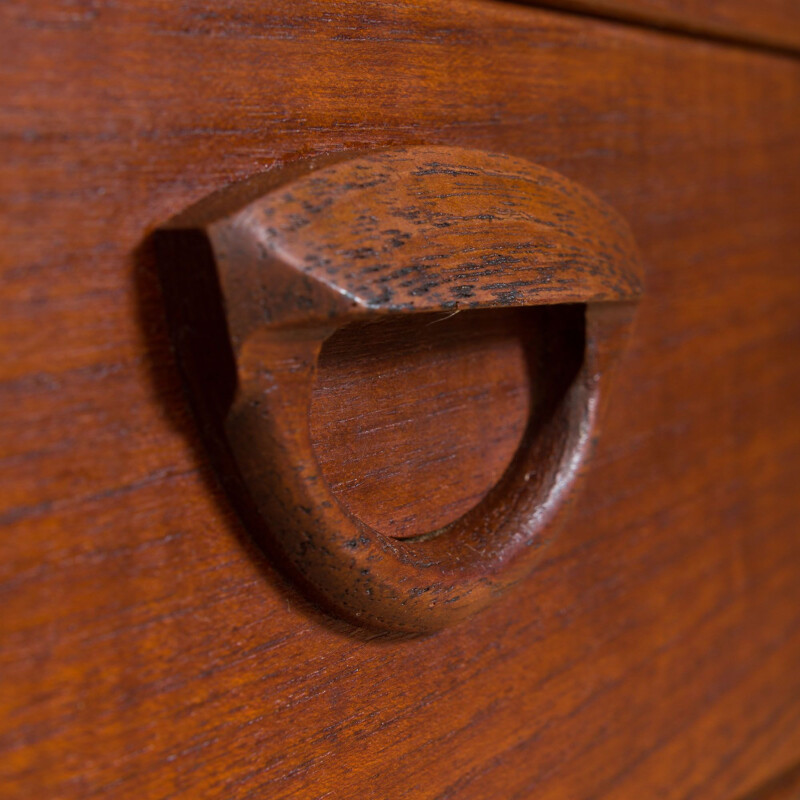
150, 650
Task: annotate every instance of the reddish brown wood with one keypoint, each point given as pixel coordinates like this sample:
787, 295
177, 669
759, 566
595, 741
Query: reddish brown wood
148, 650
414, 420
784, 787
381, 236
770, 23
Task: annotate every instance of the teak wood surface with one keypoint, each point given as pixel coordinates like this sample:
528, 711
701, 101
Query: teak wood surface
148, 649
259, 277
772, 23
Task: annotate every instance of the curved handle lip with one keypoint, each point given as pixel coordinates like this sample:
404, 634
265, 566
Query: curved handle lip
320, 255
280, 306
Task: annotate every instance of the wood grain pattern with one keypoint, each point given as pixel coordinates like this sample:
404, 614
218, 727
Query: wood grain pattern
783, 787
414, 420
148, 650
769, 23
257, 279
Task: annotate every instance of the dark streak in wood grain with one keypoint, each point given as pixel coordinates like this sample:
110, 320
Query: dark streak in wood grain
771, 23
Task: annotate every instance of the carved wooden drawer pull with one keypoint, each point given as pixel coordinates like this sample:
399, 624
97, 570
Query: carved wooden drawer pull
279, 286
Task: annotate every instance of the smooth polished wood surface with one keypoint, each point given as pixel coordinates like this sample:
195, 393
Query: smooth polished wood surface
414, 420
148, 650
259, 276
768, 23
784, 787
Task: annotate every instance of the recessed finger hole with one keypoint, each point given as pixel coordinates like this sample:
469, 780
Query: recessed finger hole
414, 419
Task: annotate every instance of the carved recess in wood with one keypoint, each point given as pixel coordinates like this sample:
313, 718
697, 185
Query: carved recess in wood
343, 323
414, 418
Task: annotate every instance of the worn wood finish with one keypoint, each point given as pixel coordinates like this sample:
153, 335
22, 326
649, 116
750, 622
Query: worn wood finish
768, 23
396, 233
149, 651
